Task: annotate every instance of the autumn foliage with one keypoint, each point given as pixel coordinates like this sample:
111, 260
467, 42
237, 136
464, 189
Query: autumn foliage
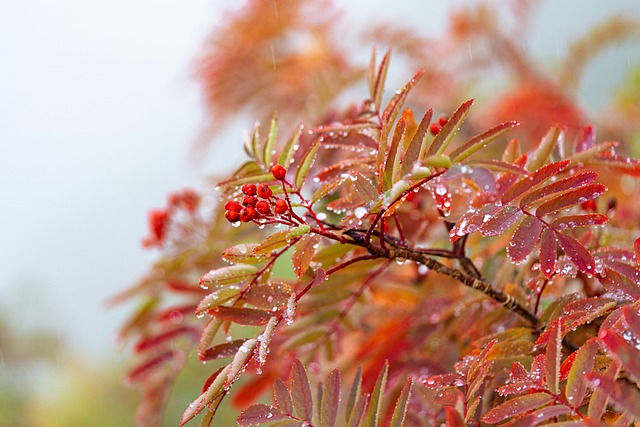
387, 265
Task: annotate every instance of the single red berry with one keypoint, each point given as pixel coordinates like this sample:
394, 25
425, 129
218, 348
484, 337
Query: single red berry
281, 206
158, 222
278, 172
249, 189
244, 215
232, 205
435, 128
263, 207
252, 212
249, 200
443, 120
232, 216
264, 191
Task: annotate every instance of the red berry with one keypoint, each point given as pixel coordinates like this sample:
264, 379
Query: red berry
252, 212
281, 206
443, 120
249, 189
244, 215
249, 200
264, 191
278, 172
232, 205
263, 207
232, 216
435, 128
158, 221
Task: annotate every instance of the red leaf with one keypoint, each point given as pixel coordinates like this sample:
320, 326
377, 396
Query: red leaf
500, 222
221, 351
301, 391
577, 253
444, 380
242, 316
166, 336
282, 396
586, 139
636, 248
449, 396
576, 387
632, 318
626, 397
570, 198
536, 178
627, 355
575, 181
548, 252
146, 367
619, 285
453, 417
330, 400
524, 239
573, 221
516, 406
552, 358
260, 413
472, 221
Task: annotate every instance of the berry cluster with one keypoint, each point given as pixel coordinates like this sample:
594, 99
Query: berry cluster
160, 219
435, 128
258, 201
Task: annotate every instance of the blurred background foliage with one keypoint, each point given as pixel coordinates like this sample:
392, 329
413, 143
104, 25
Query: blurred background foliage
294, 58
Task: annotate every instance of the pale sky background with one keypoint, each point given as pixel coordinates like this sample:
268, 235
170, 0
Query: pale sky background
97, 113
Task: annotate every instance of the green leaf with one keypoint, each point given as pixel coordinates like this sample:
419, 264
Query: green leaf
356, 415
417, 145
245, 351
354, 393
207, 336
280, 239
303, 253
377, 89
375, 405
228, 275
214, 391
542, 154
305, 164
288, 151
576, 387
444, 137
301, 392
393, 154
330, 400
480, 141
400, 411
242, 253
216, 298
255, 150
271, 141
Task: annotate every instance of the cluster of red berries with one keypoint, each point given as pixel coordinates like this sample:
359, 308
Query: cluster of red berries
435, 128
258, 201
159, 219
